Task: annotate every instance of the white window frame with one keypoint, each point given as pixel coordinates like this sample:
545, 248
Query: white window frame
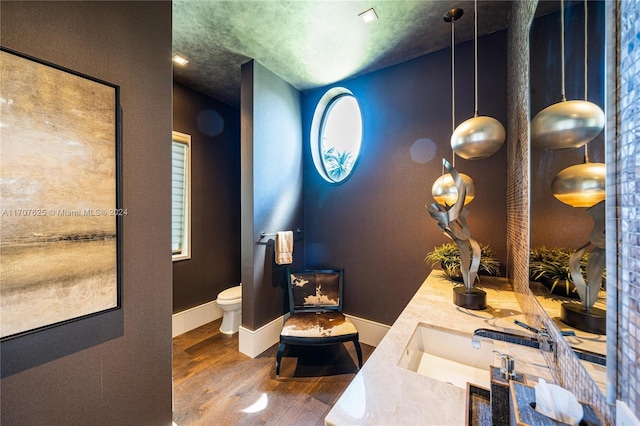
185, 251
323, 108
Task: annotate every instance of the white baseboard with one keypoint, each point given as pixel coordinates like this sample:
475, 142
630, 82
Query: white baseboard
253, 342
624, 416
194, 317
371, 332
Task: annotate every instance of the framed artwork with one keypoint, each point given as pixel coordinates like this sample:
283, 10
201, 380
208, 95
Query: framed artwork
60, 195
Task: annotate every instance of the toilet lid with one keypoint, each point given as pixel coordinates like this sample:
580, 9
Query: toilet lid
231, 293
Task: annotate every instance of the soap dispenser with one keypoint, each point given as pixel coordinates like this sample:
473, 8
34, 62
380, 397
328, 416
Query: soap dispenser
500, 377
507, 365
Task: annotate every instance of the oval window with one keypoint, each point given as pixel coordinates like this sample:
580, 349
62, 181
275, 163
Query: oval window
336, 135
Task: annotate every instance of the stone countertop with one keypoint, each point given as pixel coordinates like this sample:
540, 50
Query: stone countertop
382, 393
582, 340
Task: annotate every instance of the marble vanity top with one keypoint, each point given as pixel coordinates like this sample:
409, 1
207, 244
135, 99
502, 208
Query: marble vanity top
382, 393
596, 343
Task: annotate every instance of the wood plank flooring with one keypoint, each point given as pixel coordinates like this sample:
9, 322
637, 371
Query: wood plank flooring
214, 384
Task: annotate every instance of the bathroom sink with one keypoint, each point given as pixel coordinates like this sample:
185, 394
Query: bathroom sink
448, 356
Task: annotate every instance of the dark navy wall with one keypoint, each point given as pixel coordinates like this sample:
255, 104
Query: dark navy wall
375, 224
215, 198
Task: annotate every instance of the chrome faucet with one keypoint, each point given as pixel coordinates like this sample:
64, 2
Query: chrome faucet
543, 331
540, 332
541, 341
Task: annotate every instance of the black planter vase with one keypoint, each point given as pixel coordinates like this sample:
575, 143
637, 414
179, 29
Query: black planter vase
474, 299
577, 316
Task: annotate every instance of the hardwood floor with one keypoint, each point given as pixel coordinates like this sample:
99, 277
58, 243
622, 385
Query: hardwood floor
214, 384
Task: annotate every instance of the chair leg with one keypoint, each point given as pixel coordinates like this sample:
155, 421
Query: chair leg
278, 359
356, 343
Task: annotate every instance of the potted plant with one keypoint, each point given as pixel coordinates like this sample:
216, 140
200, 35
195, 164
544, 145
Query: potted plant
550, 267
448, 257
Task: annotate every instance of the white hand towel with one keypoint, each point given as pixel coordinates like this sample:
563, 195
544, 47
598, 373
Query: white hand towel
284, 247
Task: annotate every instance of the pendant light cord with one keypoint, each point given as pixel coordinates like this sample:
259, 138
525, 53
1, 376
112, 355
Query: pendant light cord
585, 50
453, 83
453, 73
475, 57
586, 152
562, 45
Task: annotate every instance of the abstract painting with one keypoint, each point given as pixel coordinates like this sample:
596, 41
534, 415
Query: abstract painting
60, 210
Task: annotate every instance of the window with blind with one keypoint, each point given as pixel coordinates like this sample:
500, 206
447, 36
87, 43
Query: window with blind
180, 196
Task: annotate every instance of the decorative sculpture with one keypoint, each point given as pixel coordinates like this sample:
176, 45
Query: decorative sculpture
586, 317
452, 221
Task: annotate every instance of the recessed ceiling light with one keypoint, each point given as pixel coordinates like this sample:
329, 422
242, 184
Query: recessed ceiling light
180, 60
369, 16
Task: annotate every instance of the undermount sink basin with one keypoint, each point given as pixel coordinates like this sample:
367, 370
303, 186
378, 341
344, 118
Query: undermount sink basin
448, 356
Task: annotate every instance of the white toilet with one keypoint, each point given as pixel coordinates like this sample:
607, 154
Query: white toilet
230, 302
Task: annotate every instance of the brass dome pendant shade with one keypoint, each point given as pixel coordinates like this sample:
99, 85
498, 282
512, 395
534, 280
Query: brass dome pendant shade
477, 138
568, 124
444, 189
481, 136
581, 185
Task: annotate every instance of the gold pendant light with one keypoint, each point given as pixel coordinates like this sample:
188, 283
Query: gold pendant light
444, 190
582, 185
480, 136
568, 124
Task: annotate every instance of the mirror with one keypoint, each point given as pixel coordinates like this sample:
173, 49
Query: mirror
557, 229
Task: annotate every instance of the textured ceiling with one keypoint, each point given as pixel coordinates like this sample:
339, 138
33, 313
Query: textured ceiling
311, 43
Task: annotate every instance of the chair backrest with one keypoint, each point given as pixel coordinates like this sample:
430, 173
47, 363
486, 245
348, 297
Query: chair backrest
315, 290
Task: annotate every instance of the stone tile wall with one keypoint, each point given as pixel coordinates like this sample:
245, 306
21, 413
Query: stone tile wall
518, 142
626, 153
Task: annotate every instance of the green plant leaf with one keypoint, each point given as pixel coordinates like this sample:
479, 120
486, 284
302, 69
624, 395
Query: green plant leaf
448, 256
552, 264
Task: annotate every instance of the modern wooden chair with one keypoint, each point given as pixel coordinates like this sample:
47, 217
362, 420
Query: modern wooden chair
315, 307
